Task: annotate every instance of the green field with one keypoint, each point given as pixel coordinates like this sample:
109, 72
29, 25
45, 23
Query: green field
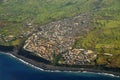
104, 38
14, 14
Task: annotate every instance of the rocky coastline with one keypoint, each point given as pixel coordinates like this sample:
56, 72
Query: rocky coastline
57, 38
46, 65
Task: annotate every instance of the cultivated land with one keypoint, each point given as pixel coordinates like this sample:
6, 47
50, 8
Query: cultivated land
64, 31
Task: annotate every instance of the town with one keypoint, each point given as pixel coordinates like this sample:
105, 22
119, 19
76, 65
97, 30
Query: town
59, 37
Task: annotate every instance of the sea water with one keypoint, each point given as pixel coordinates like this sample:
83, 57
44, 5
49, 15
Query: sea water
12, 68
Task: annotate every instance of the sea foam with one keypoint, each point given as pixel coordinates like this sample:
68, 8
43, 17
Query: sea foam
33, 66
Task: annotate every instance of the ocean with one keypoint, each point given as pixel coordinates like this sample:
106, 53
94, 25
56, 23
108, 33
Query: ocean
12, 68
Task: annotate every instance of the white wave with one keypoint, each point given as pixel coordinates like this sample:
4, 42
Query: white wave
33, 66
52, 70
23, 61
108, 74
30, 64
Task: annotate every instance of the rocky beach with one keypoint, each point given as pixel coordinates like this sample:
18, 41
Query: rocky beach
45, 65
51, 47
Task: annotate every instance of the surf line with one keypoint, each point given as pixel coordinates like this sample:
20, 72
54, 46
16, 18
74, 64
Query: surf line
38, 68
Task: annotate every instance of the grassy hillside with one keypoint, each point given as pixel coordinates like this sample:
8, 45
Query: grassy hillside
42, 11
104, 38
15, 14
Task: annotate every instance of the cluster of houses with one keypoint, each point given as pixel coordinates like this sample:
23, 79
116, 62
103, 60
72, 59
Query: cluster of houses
5, 38
24, 33
59, 36
79, 57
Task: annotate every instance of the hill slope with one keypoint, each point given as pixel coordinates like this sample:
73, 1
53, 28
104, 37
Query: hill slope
20, 18
105, 37
15, 15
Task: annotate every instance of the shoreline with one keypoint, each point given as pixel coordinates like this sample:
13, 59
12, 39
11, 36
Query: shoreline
45, 65
84, 71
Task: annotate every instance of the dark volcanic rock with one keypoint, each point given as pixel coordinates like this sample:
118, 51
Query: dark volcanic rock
6, 48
